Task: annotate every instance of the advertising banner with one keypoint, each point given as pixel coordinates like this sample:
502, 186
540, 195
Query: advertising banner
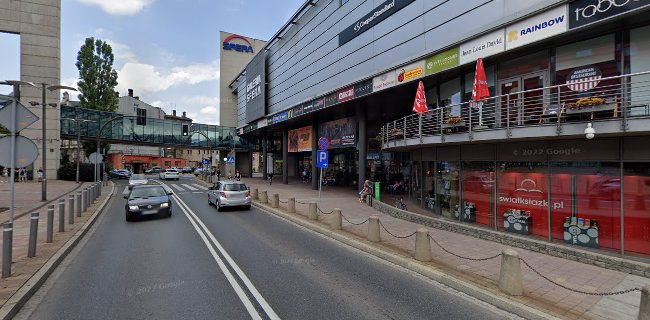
256, 88
319, 104
486, 45
363, 88
331, 100
383, 81
346, 94
536, 28
442, 61
308, 107
341, 133
381, 12
584, 12
411, 72
299, 139
280, 117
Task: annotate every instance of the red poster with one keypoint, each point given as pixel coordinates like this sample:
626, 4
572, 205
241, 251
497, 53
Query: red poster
528, 193
477, 187
637, 214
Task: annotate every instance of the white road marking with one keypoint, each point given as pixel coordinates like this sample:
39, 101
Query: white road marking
177, 187
204, 232
189, 187
199, 192
200, 186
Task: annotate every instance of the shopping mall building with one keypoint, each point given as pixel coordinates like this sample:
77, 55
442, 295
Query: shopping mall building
519, 162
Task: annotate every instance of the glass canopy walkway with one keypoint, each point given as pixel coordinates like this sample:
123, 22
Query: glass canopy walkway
153, 132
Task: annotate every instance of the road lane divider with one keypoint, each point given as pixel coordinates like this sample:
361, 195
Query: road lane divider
213, 246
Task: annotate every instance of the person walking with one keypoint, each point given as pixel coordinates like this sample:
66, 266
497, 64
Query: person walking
5, 175
218, 174
40, 174
238, 175
271, 178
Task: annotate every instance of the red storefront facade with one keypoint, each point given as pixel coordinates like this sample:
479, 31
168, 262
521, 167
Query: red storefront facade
138, 164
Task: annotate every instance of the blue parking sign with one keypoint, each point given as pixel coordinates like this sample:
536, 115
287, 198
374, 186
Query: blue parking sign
322, 159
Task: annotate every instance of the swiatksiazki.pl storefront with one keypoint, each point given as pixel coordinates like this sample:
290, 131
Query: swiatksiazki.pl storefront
591, 197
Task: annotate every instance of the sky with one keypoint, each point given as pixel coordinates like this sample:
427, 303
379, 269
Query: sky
167, 51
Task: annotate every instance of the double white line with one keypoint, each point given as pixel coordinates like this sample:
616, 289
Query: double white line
205, 233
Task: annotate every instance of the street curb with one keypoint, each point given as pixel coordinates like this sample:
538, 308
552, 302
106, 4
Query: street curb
44, 204
27, 290
496, 299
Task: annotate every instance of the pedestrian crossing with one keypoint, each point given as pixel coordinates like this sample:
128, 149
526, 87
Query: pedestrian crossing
182, 187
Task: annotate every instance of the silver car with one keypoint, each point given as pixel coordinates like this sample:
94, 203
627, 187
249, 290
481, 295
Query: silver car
169, 174
229, 194
137, 180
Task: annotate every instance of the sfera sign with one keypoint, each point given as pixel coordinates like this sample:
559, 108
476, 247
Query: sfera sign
243, 46
371, 19
584, 12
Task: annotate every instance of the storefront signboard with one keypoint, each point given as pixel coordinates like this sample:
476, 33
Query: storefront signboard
262, 123
319, 104
481, 47
299, 139
363, 88
584, 78
378, 14
346, 94
256, 88
410, 72
383, 81
584, 12
536, 28
308, 107
298, 111
331, 99
442, 61
280, 117
341, 133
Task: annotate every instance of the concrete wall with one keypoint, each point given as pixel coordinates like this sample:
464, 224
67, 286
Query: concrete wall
231, 63
38, 22
308, 62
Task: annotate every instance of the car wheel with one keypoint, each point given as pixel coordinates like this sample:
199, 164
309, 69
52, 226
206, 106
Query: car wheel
218, 206
169, 214
209, 202
247, 207
129, 218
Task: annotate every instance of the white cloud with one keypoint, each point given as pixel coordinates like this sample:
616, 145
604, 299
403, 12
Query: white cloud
146, 78
204, 100
208, 115
119, 7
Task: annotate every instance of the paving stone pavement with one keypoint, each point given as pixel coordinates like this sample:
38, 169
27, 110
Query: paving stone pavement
23, 268
27, 195
538, 292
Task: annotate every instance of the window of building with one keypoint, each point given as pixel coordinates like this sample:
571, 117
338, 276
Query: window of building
478, 192
523, 65
448, 191
637, 207
639, 57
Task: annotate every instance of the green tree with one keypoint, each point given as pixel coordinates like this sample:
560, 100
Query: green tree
97, 81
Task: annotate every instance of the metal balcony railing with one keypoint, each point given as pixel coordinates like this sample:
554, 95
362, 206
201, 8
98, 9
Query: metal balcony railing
612, 98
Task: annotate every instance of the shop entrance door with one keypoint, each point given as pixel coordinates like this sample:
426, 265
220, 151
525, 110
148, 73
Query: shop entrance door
521, 102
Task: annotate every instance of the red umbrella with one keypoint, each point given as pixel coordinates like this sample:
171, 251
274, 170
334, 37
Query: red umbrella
420, 104
480, 91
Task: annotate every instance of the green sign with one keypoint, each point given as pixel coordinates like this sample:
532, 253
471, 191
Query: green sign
442, 61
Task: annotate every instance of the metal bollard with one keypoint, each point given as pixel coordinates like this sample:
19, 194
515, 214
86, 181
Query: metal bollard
422, 245
644, 307
84, 195
50, 224
337, 222
62, 215
78, 203
71, 209
313, 211
7, 247
510, 280
33, 235
256, 195
275, 201
92, 194
373, 229
264, 198
291, 205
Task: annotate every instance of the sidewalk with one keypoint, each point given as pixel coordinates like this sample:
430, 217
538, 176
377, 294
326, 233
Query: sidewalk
27, 196
538, 292
24, 268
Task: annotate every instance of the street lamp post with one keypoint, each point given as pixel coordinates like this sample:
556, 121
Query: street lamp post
43, 132
99, 137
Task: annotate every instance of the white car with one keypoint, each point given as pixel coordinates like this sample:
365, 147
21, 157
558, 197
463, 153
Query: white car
169, 174
137, 180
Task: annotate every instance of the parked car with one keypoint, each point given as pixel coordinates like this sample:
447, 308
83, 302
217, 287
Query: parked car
169, 174
187, 170
137, 180
149, 200
229, 194
153, 170
198, 171
121, 174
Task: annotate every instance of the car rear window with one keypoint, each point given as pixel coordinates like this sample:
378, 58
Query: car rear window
172, 170
138, 177
235, 187
148, 192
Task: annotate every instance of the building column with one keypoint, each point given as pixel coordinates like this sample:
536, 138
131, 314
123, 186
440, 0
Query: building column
285, 156
250, 161
315, 172
265, 174
362, 146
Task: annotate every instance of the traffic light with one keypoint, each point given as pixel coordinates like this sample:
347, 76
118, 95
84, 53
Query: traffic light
186, 130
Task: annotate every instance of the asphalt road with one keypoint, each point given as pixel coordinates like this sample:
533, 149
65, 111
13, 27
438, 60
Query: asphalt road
236, 264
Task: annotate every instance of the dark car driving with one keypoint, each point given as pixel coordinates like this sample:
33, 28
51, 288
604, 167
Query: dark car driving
148, 200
